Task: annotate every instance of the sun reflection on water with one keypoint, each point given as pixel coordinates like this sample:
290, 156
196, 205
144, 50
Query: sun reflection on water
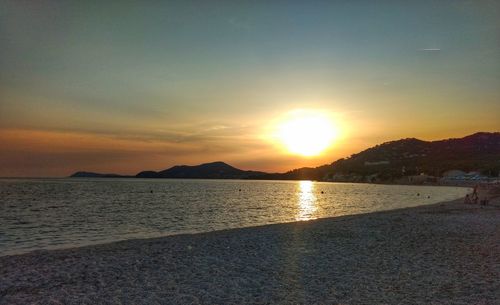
307, 201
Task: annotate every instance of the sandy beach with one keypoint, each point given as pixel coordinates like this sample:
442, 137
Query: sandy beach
447, 253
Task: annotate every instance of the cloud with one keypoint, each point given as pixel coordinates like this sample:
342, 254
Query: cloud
430, 50
59, 153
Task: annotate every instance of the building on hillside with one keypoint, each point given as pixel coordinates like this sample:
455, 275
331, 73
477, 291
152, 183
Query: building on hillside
461, 176
453, 173
421, 179
371, 163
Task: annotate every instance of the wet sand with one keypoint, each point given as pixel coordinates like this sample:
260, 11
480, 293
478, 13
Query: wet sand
447, 253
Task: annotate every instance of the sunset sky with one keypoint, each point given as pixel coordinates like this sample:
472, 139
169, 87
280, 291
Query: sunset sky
136, 86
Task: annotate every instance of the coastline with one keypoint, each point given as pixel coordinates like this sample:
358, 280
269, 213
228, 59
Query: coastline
442, 253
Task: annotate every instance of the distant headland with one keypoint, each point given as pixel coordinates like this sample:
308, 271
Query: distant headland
473, 157
213, 170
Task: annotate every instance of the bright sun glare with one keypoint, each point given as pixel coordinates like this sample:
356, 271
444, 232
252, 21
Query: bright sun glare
306, 133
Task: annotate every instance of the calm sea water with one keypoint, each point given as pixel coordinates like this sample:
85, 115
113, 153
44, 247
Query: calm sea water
57, 213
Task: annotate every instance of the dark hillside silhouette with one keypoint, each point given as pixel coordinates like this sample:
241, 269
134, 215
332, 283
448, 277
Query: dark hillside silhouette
387, 161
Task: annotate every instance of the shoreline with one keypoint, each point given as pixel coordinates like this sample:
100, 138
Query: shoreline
458, 183
449, 251
194, 232
229, 230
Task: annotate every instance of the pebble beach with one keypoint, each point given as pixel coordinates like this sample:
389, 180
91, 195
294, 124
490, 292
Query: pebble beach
446, 253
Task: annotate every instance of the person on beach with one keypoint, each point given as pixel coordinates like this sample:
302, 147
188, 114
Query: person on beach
467, 199
474, 192
475, 199
475, 196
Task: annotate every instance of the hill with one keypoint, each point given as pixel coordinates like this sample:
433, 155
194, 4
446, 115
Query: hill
392, 160
386, 162
214, 170
96, 175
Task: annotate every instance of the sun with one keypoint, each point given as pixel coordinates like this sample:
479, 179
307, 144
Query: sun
306, 133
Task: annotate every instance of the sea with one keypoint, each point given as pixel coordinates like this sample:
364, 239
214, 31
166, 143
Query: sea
38, 214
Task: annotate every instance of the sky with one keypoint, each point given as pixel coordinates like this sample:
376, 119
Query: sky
122, 86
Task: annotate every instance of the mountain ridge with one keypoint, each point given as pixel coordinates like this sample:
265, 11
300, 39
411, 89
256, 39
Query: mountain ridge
410, 156
212, 170
386, 161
